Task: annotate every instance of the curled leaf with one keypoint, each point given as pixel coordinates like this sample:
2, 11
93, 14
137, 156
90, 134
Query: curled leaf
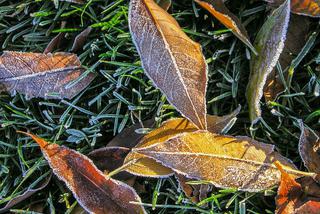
170, 58
56, 41
295, 40
218, 9
269, 44
93, 190
309, 149
227, 162
165, 4
148, 167
292, 199
80, 39
42, 75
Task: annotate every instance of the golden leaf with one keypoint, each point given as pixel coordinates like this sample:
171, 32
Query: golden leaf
170, 58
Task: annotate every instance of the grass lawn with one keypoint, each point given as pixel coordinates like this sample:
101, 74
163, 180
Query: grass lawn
121, 95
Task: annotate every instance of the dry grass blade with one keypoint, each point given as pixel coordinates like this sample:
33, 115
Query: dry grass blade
42, 75
269, 44
227, 162
170, 58
92, 189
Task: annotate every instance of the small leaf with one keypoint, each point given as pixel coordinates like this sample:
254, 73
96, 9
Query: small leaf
148, 167
291, 199
302, 7
170, 58
93, 190
56, 41
218, 9
226, 162
295, 41
41, 75
74, 1
165, 4
309, 149
269, 44
80, 39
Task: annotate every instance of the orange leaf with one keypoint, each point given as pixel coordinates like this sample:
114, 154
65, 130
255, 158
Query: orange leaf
228, 19
302, 7
92, 189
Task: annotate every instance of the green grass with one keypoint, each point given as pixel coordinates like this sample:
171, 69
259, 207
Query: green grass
122, 95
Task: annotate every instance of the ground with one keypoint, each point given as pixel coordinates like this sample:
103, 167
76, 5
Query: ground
121, 93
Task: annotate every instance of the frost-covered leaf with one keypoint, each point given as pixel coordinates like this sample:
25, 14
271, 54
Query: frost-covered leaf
227, 162
170, 58
309, 149
218, 9
302, 7
145, 166
42, 75
297, 37
269, 43
92, 189
80, 39
292, 199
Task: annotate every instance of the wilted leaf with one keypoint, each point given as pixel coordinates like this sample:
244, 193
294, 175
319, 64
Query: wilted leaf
295, 40
56, 41
165, 4
291, 198
309, 149
41, 75
302, 7
170, 58
29, 192
148, 167
92, 189
218, 9
269, 44
80, 39
227, 162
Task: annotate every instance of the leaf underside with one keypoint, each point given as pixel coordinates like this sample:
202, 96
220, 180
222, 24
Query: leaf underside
42, 75
170, 59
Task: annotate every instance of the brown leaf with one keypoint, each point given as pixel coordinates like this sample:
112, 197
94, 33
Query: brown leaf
295, 41
93, 190
227, 162
291, 197
302, 7
218, 9
170, 58
309, 149
41, 75
269, 43
108, 159
165, 4
145, 166
28, 193
56, 41
80, 39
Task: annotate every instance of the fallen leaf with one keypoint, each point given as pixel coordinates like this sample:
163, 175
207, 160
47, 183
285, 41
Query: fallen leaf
28, 193
165, 4
170, 58
41, 75
80, 39
93, 190
295, 41
108, 159
148, 167
302, 7
224, 161
309, 149
269, 43
291, 199
56, 41
218, 9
